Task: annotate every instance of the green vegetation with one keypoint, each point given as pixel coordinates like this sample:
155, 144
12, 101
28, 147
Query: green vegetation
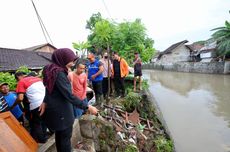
81, 46
125, 38
131, 148
23, 69
163, 145
10, 79
222, 37
106, 135
132, 100
145, 84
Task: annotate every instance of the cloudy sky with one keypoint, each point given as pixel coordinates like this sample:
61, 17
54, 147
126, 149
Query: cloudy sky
167, 21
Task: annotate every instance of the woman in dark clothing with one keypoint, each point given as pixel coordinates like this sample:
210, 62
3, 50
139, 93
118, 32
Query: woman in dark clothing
59, 100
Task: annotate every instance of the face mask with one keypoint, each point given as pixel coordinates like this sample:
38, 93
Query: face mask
106, 57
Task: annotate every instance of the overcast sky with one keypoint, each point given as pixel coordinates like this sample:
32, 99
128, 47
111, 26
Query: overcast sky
167, 21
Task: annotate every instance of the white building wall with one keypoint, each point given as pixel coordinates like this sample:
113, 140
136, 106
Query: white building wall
206, 55
179, 54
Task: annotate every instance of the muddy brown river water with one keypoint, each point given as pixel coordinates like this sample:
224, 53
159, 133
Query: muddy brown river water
196, 108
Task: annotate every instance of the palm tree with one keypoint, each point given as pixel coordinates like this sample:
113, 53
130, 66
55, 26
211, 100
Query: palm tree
81, 46
222, 37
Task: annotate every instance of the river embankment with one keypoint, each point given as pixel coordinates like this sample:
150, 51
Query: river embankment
193, 67
131, 123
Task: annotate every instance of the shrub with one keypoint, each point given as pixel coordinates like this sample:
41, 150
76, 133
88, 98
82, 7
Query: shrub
132, 100
163, 145
8, 78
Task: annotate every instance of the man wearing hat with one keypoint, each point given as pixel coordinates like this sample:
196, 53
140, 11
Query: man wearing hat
3, 104
95, 69
10, 98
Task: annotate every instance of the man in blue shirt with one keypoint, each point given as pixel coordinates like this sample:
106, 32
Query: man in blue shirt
95, 69
10, 98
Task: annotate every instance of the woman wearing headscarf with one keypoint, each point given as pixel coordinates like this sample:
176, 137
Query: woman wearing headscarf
57, 109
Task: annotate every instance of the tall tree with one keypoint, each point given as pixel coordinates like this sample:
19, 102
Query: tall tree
222, 36
90, 24
103, 31
125, 38
131, 37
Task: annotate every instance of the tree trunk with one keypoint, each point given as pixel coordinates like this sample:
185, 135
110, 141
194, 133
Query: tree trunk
109, 71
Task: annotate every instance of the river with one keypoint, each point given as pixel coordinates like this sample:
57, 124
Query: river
196, 108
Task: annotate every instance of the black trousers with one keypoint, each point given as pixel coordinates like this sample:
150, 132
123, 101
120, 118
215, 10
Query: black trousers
37, 127
105, 84
119, 84
62, 139
97, 88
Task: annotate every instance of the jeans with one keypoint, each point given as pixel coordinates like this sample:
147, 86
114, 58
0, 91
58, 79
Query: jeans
77, 111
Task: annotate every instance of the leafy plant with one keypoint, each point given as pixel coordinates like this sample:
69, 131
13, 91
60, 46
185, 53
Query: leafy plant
124, 38
8, 78
222, 36
163, 145
145, 84
131, 148
81, 47
140, 127
132, 100
23, 69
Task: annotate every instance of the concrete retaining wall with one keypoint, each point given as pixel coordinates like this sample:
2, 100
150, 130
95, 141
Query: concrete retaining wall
194, 67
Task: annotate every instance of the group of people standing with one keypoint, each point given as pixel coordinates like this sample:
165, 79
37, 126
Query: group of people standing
114, 69
101, 71
57, 100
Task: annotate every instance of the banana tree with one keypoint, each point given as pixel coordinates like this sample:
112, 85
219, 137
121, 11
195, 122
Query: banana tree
81, 47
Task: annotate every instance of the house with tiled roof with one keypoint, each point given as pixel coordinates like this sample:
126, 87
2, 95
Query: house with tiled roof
178, 52
12, 59
42, 48
195, 54
208, 53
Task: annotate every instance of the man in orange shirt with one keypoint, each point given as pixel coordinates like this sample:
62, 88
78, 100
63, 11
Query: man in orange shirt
120, 70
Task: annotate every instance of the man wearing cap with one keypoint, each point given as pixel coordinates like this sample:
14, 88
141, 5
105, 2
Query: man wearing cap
3, 104
10, 98
95, 69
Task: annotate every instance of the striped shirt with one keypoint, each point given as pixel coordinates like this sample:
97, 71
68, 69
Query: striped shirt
3, 104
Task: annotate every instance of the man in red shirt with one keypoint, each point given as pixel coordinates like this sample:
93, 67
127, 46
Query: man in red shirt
34, 90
